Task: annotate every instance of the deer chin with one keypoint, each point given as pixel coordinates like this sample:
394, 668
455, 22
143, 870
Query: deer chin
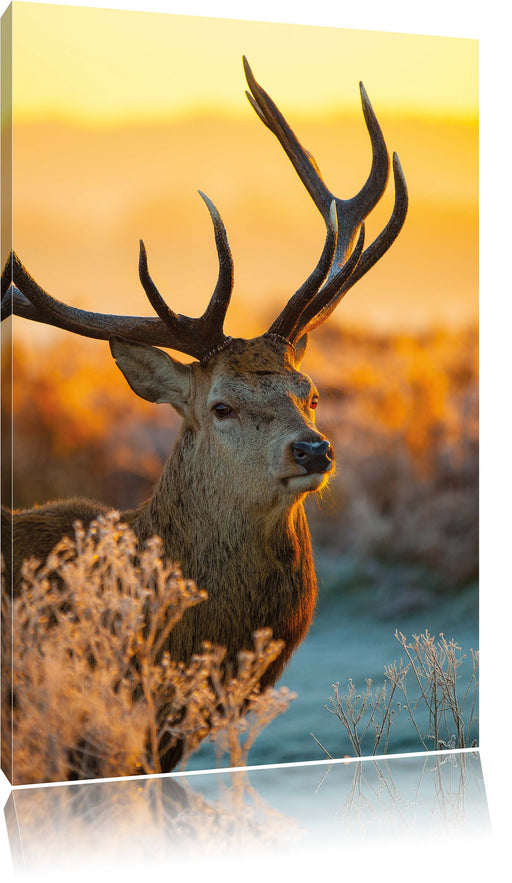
304, 484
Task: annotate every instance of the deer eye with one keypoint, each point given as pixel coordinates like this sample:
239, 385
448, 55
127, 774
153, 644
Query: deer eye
314, 402
223, 411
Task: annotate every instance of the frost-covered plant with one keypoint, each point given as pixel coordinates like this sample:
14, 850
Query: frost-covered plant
90, 689
433, 666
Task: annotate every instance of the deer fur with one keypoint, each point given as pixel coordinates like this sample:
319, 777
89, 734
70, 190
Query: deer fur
229, 502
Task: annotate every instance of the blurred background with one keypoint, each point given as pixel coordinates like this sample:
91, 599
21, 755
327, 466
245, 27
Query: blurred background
118, 119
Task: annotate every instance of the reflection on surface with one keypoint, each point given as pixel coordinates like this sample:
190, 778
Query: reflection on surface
191, 817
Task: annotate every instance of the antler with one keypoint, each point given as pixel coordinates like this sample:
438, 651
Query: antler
312, 305
22, 296
341, 261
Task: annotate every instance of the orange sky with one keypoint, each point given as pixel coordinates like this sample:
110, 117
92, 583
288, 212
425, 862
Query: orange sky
120, 118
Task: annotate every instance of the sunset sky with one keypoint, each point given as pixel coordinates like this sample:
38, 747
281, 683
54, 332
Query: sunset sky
100, 67
120, 117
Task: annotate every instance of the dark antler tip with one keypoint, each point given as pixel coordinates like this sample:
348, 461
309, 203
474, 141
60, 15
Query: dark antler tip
143, 260
402, 195
396, 163
249, 76
365, 101
214, 214
398, 172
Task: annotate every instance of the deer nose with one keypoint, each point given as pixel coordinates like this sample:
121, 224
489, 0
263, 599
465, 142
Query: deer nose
313, 456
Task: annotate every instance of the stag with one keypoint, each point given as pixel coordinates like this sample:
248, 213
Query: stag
229, 504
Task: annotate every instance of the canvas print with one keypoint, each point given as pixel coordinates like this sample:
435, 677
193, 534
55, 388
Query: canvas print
240, 393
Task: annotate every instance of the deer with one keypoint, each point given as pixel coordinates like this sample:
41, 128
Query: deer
229, 503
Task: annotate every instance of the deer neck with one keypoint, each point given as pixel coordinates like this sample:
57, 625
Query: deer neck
256, 567
193, 517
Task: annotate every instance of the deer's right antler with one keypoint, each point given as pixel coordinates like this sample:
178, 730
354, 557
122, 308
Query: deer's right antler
22, 296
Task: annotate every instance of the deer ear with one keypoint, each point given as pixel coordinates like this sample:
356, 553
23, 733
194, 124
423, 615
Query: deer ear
300, 349
151, 373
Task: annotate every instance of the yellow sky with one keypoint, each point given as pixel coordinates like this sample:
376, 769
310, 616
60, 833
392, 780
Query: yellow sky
104, 66
119, 117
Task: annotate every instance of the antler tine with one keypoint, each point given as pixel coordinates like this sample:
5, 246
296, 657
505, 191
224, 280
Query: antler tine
335, 289
23, 296
351, 212
216, 310
197, 336
26, 298
285, 322
297, 313
360, 206
349, 264
385, 239
302, 161
328, 297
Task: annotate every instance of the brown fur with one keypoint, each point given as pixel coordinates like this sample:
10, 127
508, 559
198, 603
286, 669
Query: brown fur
223, 506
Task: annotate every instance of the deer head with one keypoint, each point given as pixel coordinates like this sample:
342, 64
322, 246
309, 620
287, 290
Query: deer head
237, 388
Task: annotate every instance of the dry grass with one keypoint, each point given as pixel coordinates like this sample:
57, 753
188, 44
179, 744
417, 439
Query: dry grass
95, 691
403, 415
433, 666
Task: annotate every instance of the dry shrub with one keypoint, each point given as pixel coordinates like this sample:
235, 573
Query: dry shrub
80, 419
433, 666
404, 421
95, 691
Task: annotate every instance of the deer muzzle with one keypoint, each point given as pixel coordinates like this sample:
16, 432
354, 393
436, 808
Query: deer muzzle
317, 456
